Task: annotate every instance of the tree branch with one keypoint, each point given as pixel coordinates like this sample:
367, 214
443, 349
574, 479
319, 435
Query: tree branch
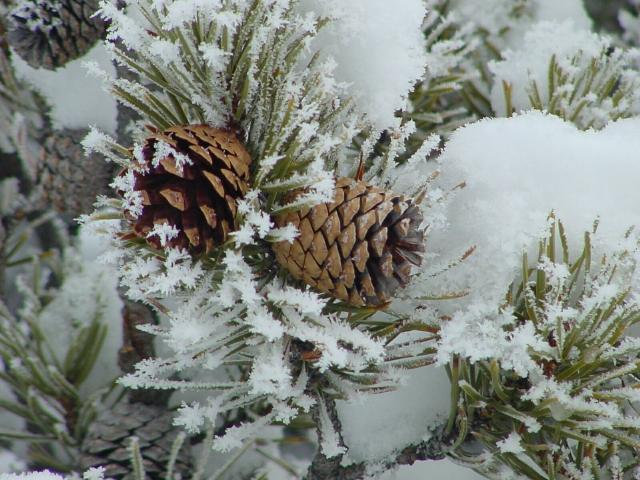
323, 467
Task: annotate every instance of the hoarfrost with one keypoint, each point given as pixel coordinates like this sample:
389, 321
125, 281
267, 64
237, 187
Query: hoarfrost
511, 444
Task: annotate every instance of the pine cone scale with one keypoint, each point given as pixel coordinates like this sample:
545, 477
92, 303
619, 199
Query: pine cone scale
107, 444
68, 179
358, 248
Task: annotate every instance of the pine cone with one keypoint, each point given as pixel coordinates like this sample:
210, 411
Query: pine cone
68, 178
198, 193
359, 248
108, 439
49, 33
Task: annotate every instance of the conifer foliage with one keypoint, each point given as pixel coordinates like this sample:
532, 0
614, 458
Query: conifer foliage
224, 223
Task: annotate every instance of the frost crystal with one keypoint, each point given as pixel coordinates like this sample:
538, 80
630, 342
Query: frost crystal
511, 444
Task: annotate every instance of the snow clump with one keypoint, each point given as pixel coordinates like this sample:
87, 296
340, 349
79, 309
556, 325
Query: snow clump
379, 49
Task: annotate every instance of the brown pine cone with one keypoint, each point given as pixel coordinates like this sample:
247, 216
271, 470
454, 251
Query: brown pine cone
198, 194
358, 248
49, 33
69, 179
143, 413
108, 439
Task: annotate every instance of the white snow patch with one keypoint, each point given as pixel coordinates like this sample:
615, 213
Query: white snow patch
43, 475
559, 11
379, 49
9, 461
517, 170
75, 98
89, 291
432, 469
400, 418
506, 25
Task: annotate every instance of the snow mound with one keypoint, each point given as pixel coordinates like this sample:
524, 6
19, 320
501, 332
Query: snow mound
553, 10
402, 417
493, 16
517, 170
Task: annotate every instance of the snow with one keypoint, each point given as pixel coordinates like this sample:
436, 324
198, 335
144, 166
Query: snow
10, 462
495, 16
432, 469
379, 51
164, 232
631, 25
517, 170
559, 11
270, 375
530, 62
89, 291
401, 417
94, 474
42, 475
91, 474
75, 99
163, 150
491, 16
478, 333
511, 444
204, 320
329, 438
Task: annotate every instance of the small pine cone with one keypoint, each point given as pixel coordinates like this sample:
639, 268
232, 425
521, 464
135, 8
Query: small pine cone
358, 248
196, 193
69, 179
49, 33
109, 436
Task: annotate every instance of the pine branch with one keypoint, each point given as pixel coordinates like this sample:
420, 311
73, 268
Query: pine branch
125, 115
323, 467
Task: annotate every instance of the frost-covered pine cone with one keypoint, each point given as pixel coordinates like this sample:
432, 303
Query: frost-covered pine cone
193, 177
107, 442
49, 33
68, 178
358, 248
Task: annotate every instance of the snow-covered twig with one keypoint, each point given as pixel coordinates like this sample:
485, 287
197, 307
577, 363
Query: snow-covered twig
324, 468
